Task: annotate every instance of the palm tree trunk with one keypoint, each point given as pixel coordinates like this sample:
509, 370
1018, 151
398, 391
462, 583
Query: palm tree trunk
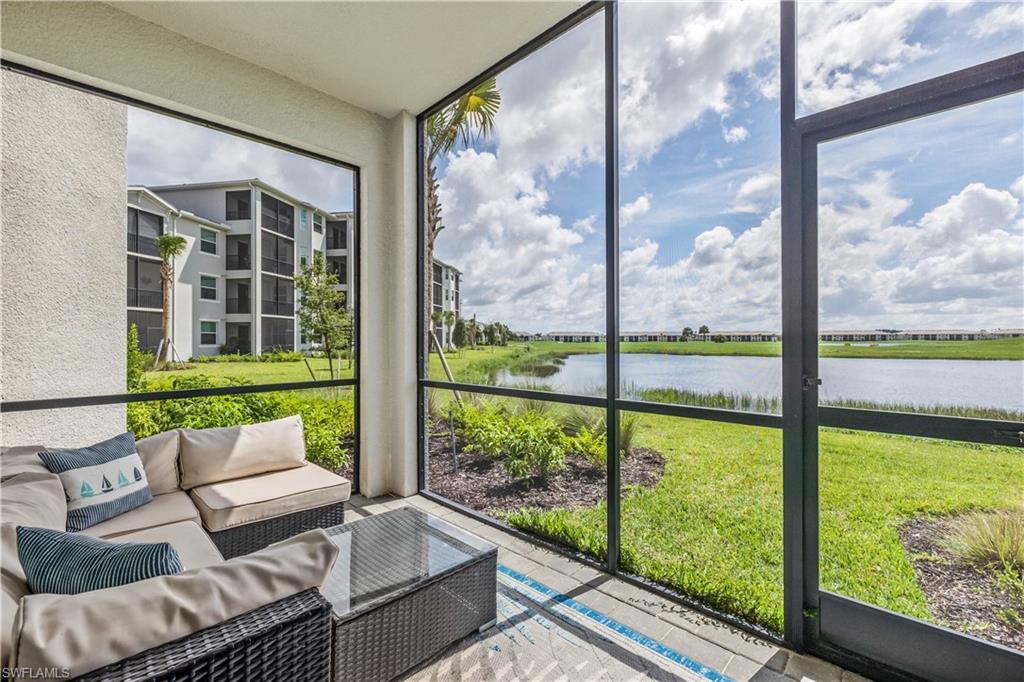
166, 282
433, 226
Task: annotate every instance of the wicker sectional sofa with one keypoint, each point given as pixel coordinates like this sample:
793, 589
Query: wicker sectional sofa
207, 521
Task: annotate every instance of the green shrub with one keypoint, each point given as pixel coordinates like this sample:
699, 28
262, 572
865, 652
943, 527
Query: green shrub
137, 360
990, 539
275, 356
328, 417
590, 445
629, 426
529, 445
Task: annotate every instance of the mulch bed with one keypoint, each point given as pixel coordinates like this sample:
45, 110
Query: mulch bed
481, 482
959, 595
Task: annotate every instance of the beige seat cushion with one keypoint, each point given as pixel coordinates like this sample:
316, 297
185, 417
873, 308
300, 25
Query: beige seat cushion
86, 631
211, 455
164, 509
21, 459
245, 500
28, 499
189, 540
159, 455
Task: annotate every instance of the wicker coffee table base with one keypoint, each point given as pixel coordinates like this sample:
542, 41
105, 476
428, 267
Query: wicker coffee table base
401, 634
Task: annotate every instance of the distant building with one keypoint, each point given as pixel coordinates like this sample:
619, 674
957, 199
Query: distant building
234, 286
446, 296
828, 336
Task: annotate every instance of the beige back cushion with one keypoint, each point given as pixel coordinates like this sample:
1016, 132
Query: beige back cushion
211, 455
86, 631
31, 499
159, 456
21, 459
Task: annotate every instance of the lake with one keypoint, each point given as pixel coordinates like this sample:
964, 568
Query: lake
980, 383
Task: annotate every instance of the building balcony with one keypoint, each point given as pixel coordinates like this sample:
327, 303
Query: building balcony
278, 308
280, 267
145, 298
238, 261
141, 244
238, 305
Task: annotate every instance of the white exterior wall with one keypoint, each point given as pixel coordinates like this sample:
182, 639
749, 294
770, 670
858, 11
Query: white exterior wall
62, 287
100, 45
189, 309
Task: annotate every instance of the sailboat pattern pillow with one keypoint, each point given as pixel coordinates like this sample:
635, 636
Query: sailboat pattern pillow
100, 481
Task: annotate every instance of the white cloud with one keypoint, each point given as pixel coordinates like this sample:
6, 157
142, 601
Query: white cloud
1002, 18
634, 209
735, 134
1011, 139
1017, 186
585, 225
757, 193
848, 48
166, 151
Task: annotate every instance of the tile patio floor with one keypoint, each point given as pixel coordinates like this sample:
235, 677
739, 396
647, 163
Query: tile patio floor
737, 654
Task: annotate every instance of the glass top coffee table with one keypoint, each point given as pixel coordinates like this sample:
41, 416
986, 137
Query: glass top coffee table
405, 586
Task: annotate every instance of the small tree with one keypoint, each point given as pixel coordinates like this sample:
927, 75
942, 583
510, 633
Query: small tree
459, 333
687, 333
136, 360
322, 313
704, 331
170, 246
437, 317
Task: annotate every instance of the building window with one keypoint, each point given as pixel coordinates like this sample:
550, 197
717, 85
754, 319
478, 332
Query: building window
303, 256
277, 334
303, 219
207, 333
318, 222
207, 288
207, 241
237, 205
278, 255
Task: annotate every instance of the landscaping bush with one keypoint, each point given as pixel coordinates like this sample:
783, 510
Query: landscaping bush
137, 360
276, 356
990, 539
328, 418
529, 445
590, 445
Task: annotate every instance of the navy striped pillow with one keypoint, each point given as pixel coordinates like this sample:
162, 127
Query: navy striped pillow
100, 481
56, 562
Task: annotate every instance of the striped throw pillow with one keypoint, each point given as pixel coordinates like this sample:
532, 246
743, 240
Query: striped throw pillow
100, 481
56, 562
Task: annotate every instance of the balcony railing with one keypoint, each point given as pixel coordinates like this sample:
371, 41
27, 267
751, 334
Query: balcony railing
278, 308
238, 261
238, 305
145, 298
138, 243
280, 267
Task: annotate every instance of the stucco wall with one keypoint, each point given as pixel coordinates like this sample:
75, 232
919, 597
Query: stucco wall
102, 46
62, 240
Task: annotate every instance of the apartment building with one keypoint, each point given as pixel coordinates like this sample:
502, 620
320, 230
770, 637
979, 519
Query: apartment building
446, 296
234, 286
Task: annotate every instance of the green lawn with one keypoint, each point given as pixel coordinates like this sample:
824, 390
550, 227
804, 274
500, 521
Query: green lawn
257, 372
713, 526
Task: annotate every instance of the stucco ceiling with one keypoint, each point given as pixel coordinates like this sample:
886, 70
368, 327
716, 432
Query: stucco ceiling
380, 56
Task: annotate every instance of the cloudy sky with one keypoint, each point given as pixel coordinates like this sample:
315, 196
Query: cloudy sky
921, 224
166, 151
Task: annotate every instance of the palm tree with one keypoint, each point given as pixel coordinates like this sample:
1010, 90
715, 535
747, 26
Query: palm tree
466, 120
437, 317
170, 246
704, 331
449, 320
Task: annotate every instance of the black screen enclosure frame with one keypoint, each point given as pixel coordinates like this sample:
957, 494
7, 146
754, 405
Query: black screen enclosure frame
865, 638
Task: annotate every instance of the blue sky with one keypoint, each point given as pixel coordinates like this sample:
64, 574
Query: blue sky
699, 178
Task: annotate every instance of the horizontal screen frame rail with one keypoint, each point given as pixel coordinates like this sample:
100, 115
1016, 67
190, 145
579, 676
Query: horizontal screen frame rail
121, 398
